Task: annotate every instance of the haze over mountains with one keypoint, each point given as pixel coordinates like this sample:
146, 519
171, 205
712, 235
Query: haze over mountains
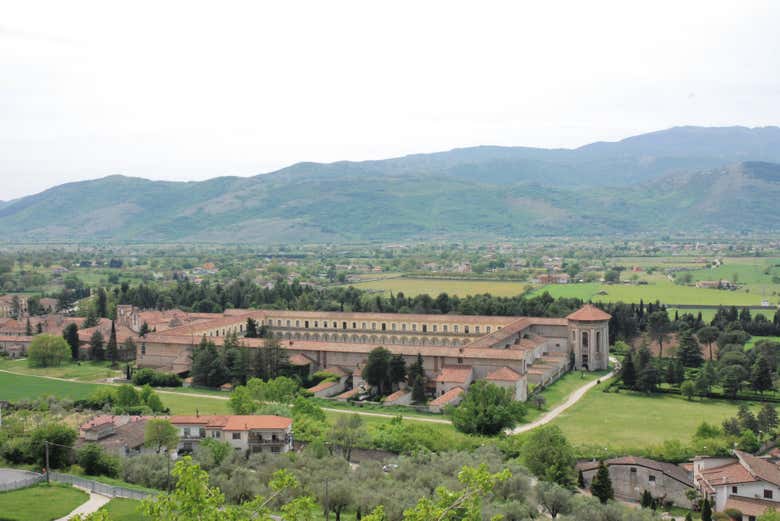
685, 178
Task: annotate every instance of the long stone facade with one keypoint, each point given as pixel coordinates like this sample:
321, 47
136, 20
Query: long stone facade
537, 350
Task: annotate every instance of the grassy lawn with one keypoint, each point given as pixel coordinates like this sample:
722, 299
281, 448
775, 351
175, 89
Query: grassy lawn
411, 287
391, 410
557, 393
190, 404
40, 503
627, 420
17, 387
85, 371
121, 509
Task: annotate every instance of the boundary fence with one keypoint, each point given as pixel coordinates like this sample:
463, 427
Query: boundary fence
22, 483
100, 488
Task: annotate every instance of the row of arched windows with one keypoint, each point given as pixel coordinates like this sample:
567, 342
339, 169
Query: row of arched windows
371, 339
380, 326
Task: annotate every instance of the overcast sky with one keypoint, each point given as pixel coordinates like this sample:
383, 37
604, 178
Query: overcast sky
189, 90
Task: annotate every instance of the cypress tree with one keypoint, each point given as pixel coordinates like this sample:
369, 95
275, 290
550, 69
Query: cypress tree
71, 336
112, 351
628, 373
706, 511
647, 500
28, 328
601, 486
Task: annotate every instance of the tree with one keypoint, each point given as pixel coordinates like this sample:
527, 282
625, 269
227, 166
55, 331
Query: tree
377, 369
71, 336
208, 367
767, 420
251, 328
112, 351
689, 352
646, 500
347, 433
96, 345
708, 335
769, 515
706, 379
647, 380
601, 486
553, 498
487, 409
549, 456
127, 396
747, 420
144, 330
416, 379
761, 375
281, 389
731, 379
48, 351
60, 438
28, 328
93, 459
628, 372
241, 401
91, 320
580, 480
160, 434
659, 326
397, 370
688, 389
101, 303
706, 510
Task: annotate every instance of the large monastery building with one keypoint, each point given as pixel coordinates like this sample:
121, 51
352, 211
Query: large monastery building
456, 349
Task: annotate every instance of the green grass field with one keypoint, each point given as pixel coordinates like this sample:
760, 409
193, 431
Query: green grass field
557, 393
17, 387
411, 286
121, 509
40, 503
664, 290
84, 371
627, 421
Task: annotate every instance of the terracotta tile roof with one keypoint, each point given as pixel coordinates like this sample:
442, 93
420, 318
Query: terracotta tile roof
247, 423
336, 370
205, 420
348, 394
300, 360
501, 335
753, 507
504, 374
589, 313
461, 374
396, 395
15, 338
447, 397
760, 468
390, 317
325, 384
729, 474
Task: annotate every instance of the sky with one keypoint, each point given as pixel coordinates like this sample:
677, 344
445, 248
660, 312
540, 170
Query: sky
192, 90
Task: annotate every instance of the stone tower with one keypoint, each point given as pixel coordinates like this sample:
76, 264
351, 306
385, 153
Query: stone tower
589, 338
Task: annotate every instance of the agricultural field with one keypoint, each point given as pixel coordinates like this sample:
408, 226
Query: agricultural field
628, 422
660, 289
461, 288
20, 387
40, 503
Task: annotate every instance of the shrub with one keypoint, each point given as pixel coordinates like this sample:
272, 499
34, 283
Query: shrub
17, 450
60, 438
154, 378
95, 462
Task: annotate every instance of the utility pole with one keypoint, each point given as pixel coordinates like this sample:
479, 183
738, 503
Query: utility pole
327, 502
46, 449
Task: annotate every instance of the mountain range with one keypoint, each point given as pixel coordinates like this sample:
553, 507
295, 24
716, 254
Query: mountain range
693, 179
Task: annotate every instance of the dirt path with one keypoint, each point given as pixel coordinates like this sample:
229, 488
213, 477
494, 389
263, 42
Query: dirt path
570, 400
93, 504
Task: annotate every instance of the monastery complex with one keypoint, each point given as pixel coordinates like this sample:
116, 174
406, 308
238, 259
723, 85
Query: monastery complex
514, 352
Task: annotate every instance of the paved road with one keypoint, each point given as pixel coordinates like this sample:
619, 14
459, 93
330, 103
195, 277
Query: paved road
93, 504
11, 475
570, 400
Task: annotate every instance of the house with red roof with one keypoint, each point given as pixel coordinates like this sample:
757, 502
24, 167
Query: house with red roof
247, 433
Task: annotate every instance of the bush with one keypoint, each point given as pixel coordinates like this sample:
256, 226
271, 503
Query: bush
95, 462
17, 450
156, 378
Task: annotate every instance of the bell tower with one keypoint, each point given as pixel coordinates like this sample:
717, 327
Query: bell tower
589, 338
